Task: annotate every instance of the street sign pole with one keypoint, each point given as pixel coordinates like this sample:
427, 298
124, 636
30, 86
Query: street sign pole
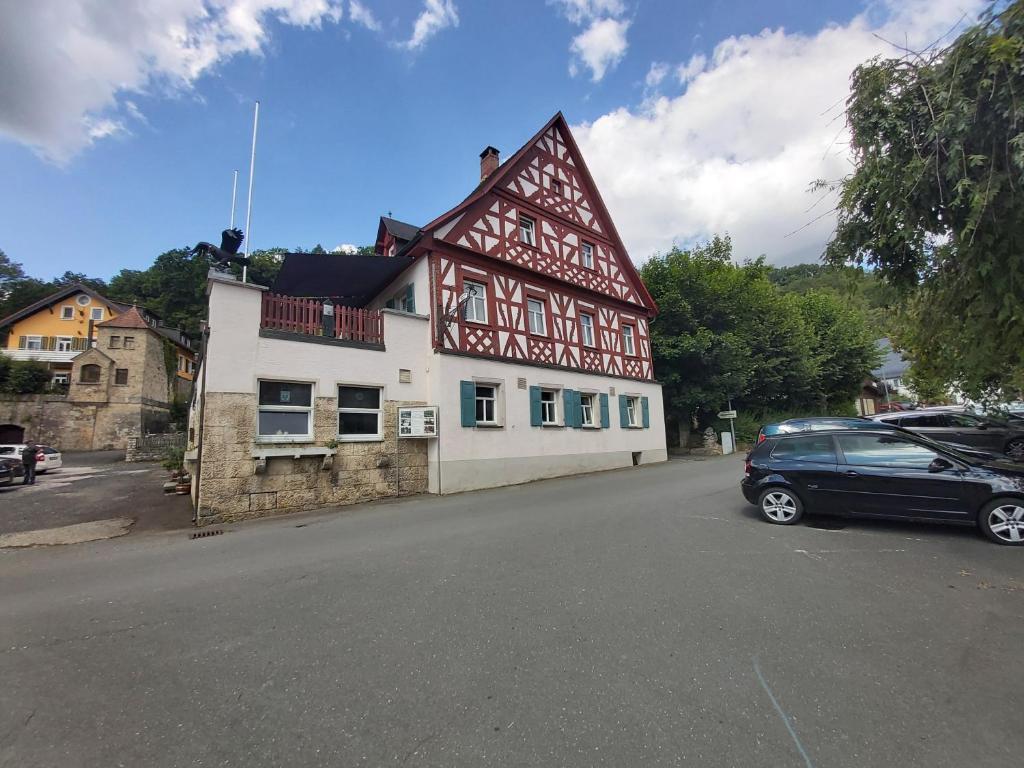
732, 426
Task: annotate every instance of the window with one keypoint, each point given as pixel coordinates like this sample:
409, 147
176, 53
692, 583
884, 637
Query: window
556, 186
359, 413
535, 312
586, 410
67, 312
476, 307
63, 343
818, 449
34, 342
884, 451
965, 421
82, 299
115, 342
90, 374
548, 407
129, 342
526, 230
61, 379
486, 403
627, 340
588, 255
121, 377
632, 406
925, 420
285, 411
96, 313
587, 329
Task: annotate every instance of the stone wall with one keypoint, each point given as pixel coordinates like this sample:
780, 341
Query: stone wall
77, 425
230, 488
152, 447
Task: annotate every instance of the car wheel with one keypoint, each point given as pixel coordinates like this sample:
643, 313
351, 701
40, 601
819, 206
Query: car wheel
1015, 449
1002, 521
780, 506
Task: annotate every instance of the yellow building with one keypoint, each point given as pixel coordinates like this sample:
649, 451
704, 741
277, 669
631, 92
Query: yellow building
61, 326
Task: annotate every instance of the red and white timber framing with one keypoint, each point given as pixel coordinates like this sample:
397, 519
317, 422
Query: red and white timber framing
480, 240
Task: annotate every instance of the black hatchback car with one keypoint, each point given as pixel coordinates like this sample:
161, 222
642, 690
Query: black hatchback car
884, 474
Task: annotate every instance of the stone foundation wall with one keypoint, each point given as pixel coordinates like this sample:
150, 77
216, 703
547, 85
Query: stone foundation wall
152, 447
230, 489
76, 426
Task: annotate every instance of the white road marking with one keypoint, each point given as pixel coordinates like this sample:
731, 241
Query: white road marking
785, 718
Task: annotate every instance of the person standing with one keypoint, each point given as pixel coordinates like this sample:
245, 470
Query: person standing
28, 460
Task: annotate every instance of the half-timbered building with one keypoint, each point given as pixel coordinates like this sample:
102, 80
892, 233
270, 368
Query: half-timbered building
518, 313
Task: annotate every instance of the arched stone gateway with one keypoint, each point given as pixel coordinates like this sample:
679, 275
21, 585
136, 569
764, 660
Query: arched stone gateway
12, 433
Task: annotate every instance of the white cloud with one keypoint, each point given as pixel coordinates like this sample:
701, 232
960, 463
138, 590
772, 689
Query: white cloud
582, 11
345, 248
600, 46
66, 72
688, 71
736, 150
435, 16
656, 74
362, 15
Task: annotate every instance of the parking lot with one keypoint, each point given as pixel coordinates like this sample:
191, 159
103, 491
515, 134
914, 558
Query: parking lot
91, 486
636, 617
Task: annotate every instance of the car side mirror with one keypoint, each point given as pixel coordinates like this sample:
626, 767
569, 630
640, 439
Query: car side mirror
939, 464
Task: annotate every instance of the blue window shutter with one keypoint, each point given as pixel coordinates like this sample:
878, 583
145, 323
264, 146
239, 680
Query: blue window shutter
645, 406
623, 413
467, 394
389, 304
570, 411
410, 299
577, 408
535, 416
605, 419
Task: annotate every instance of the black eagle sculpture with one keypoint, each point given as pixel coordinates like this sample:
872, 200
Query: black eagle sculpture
230, 242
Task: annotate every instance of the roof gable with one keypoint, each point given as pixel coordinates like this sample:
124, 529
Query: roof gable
130, 318
487, 220
69, 290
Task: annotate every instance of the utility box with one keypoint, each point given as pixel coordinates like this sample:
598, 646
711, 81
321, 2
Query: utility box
727, 444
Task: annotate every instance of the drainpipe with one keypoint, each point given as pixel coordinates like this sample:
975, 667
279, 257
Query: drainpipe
203, 336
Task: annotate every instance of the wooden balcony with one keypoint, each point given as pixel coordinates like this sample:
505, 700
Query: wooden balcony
306, 316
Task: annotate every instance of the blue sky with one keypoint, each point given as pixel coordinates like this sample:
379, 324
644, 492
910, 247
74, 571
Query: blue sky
356, 122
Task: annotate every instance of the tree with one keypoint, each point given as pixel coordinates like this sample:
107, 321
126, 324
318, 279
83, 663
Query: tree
26, 377
936, 201
173, 288
724, 331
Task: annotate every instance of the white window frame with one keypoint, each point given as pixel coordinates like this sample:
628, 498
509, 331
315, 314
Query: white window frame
556, 186
588, 404
62, 378
633, 410
96, 313
358, 438
64, 343
587, 254
553, 402
541, 314
587, 329
477, 399
470, 312
628, 344
307, 409
527, 230
37, 340
67, 312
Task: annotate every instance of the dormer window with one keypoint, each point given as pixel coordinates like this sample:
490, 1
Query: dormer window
527, 233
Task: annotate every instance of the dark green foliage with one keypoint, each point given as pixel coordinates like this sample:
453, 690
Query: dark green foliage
936, 201
26, 377
726, 330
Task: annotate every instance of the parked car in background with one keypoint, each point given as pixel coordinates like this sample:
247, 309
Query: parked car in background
9, 470
883, 473
47, 458
981, 432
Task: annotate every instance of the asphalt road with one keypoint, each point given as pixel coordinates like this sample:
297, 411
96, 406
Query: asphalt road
642, 617
94, 485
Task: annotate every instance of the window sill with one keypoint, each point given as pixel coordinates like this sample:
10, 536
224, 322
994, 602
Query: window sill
552, 426
360, 438
283, 440
478, 425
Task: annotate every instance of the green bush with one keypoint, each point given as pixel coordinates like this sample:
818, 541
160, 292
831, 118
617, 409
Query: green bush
26, 377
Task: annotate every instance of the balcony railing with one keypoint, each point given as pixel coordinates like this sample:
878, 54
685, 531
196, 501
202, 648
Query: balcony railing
306, 316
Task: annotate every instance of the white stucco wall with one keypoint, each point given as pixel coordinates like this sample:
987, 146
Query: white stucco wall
238, 356
418, 274
481, 457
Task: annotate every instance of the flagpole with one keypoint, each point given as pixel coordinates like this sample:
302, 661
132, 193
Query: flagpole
234, 190
248, 209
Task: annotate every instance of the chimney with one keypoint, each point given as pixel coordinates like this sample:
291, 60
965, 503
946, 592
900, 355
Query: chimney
489, 160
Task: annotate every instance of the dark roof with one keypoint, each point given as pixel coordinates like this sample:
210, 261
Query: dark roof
69, 290
348, 278
399, 229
